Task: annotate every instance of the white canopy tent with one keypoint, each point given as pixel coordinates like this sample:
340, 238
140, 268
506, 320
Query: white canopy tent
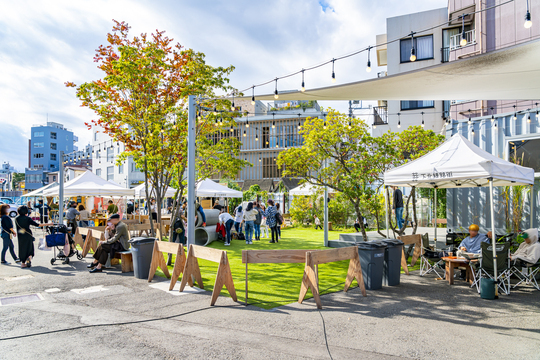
89, 184
209, 188
39, 192
459, 163
307, 189
140, 191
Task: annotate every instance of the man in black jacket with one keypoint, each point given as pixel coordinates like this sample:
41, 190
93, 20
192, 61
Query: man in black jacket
397, 206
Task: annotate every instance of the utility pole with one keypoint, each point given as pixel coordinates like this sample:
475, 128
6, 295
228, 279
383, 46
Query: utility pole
191, 172
61, 190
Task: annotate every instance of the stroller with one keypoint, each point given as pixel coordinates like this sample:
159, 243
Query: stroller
56, 239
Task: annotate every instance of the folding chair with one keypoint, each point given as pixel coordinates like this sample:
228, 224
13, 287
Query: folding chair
527, 274
486, 268
430, 260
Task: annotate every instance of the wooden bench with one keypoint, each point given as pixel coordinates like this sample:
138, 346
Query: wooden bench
126, 259
440, 221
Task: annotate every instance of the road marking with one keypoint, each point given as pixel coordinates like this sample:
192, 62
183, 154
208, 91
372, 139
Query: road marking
164, 286
88, 290
20, 299
15, 278
52, 290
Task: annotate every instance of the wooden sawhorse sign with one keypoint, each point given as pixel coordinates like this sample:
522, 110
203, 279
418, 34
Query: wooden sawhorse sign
415, 240
272, 257
314, 258
161, 247
224, 275
90, 242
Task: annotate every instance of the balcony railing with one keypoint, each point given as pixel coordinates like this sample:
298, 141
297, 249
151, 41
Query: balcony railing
470, 36
445, 54
380, 115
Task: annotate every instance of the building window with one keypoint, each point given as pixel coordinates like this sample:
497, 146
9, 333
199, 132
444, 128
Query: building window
110, 172
266, 137
423, 46
53, 157
270, 168
54, 178
417, 104
39, 145
110, 154
527, 153
53, 146
38, 156
38, 166
121, 168
98, 172
95, 136
51, 166
53, 135
38, 133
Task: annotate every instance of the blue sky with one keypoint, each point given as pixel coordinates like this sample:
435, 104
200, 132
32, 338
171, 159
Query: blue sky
45, 43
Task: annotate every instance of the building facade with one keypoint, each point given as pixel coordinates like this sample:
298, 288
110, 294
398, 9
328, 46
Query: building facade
46, 143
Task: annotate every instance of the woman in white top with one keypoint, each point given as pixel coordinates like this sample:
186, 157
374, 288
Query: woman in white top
84, 215
239, 216
249, 218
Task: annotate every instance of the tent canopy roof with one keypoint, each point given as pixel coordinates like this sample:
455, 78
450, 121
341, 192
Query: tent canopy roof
458, 163
140, 191
209, 188
512, 73
89, 184
39, 192
307, 189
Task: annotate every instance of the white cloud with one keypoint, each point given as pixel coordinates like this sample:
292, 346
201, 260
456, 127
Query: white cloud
46, 43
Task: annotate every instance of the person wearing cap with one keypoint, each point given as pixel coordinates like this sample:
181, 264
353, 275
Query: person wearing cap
529, 250
117, 241
43, 211
71, 216
471, 243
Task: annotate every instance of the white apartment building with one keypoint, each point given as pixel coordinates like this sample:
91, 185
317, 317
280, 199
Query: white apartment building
105, 161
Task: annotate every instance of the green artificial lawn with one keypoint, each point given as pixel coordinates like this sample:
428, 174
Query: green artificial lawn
272, 285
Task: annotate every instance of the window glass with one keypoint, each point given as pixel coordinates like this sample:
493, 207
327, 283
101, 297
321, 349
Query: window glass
110, 154
39, 145
53, 146
423, 46
53, 157
38, 133
525, 153
110, 172
98, 172
416, 104
121, 168
53, 135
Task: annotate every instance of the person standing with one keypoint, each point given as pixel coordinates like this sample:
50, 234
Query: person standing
249, 218
43, 211
317, 223
218, 206
84, 215
270, 214
112, 208
7, 232
257, 222
25, 237
153, 209
71, 217
226, 220
238, 219
279, 220
397, 206
130, 208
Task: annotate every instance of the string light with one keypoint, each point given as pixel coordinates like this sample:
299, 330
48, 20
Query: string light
260, 159
528, 22
350, 124
463, 41
515, 113
422, 119
399, 120
215, 110
324, 127
368, 68
529, 117
333, 73
273, 121
469, 122
256, 134
244, 133
276, 96
232, 128
303, 88
232, 105
253, 95
492, 116
247, 122
413, 50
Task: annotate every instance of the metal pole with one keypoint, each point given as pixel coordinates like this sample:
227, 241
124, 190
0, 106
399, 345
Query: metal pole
191, 172
435, 217
386, 201
326, 216
61, 190
531, 207
493, 235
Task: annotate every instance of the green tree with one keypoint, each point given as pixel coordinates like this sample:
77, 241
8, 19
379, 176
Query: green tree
17, 178
339, 152
142, 102
301, 209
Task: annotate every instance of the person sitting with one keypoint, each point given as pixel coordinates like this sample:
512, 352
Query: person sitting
529, 250
471, 243
117, 241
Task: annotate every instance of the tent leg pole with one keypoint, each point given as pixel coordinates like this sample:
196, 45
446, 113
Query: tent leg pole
531, 207
435, 216
387, 215
493, 234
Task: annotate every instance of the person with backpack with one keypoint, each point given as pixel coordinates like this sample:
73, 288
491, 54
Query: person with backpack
279, 221
270, 214
258, 220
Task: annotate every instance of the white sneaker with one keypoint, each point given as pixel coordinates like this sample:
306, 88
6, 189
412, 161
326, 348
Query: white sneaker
227, 244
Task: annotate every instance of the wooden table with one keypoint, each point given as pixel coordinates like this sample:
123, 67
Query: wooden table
453, 262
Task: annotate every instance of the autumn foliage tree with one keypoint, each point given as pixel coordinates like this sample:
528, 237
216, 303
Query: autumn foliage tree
141, 101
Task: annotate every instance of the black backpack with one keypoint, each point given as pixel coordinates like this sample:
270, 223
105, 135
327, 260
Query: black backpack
241, 236
279, 218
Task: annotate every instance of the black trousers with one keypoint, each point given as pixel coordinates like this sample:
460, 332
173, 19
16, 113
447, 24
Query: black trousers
357, 227
318, 226
102, 253
274, 231
73, 225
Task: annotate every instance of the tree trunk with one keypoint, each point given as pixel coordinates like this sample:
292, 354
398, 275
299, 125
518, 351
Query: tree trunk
147, 194
360, 217
378, 223
159, 186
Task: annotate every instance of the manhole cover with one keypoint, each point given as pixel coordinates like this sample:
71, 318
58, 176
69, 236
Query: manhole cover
20, 299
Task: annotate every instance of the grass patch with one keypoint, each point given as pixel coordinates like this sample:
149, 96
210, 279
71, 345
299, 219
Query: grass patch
272, 285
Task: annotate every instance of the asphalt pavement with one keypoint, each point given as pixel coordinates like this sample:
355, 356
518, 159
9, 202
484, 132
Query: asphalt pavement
75, 314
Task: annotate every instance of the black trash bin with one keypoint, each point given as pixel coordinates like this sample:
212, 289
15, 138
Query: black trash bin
392, 261
141, 249
372, 260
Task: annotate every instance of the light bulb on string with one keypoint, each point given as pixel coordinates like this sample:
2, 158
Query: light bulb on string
399, 120
350, 124
232, 105
529, 116
413, 50
273, 121
492, 115
528, 22
260, 159
515, 113
469, 122
333, 73
276, 95
303, 88
368, 68
463, 41
423, 119
232, 128
244, 133
215, 110
253, 95
256, 134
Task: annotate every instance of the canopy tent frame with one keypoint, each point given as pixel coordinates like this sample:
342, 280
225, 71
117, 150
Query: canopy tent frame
473, 160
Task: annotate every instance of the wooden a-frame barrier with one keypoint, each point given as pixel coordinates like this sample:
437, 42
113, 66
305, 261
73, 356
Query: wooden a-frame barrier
272, 257
224, 275
314, 258
415, 240
161, 247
